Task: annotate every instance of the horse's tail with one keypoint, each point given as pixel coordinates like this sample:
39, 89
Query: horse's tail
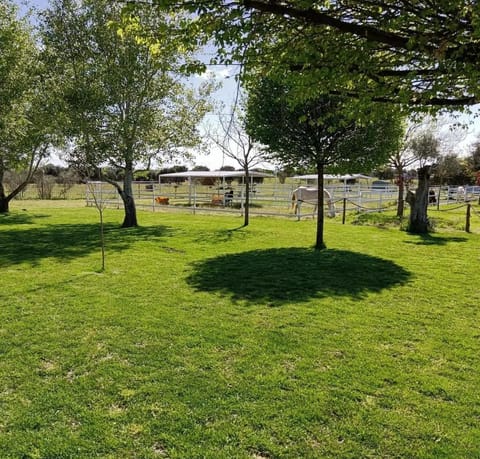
294, 200
331, 208
331, 204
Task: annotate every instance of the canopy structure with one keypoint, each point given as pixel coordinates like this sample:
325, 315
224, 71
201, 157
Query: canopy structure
213, 174
340, 178
223, 175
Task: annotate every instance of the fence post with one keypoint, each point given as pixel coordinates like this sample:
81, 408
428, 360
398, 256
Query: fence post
467, 219
344, 210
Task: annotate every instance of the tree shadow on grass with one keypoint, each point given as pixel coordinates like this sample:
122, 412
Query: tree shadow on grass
279, 276
67, 242
221, 235
20, 219
429, 239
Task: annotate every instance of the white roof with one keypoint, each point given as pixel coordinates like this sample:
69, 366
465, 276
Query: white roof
215, 174
333, 177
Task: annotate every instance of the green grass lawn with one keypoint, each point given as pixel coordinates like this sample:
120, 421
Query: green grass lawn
203, 339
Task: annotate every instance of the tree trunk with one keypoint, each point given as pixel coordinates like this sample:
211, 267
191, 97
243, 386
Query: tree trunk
4, 200
320, 243
130, 219
4, 204
401, 194
418, 221
246, 219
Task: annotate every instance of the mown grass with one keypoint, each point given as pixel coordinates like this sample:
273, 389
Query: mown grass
206, 339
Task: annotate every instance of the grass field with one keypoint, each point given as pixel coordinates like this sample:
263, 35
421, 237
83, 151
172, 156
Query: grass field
203, 339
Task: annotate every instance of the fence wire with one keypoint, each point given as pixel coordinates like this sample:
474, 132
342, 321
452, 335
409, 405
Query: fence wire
370, 209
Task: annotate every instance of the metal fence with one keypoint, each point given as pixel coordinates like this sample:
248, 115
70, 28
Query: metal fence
265, 199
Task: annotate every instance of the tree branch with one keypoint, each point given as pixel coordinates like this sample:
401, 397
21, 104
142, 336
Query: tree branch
464, 52
315, 17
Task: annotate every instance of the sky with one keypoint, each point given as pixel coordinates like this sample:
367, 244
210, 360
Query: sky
459, 141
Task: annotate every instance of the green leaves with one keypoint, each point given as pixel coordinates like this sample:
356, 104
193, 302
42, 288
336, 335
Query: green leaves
327, 130
421, 56
27, 128
121, 78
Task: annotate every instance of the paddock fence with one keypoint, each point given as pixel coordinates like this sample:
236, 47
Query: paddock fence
268, 199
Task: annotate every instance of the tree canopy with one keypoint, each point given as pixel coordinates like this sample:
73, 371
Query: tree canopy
324, 131
421, 55
27, 123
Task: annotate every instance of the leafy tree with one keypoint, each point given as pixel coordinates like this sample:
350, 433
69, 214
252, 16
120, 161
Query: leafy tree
200, 168
400, 160
318, 134
26, 119
474, 158
123, 101
452, 170
418, 147
384, 173
418, 54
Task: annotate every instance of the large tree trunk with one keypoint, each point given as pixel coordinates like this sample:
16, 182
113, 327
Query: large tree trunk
6, 198
3, 198
418, 221
130, 219
32, 168
320, 244
4, 204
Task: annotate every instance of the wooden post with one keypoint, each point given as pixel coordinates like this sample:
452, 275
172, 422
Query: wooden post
242, 200
194, 198
344, 210
467, 219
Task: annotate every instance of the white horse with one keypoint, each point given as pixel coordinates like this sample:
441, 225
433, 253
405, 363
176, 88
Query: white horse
310, 195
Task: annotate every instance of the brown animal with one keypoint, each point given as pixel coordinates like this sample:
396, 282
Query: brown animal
217, 200
162, 200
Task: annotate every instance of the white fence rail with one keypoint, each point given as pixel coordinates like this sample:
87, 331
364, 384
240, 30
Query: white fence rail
265, 199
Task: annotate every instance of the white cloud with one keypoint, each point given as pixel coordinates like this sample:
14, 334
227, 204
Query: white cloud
216, 74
